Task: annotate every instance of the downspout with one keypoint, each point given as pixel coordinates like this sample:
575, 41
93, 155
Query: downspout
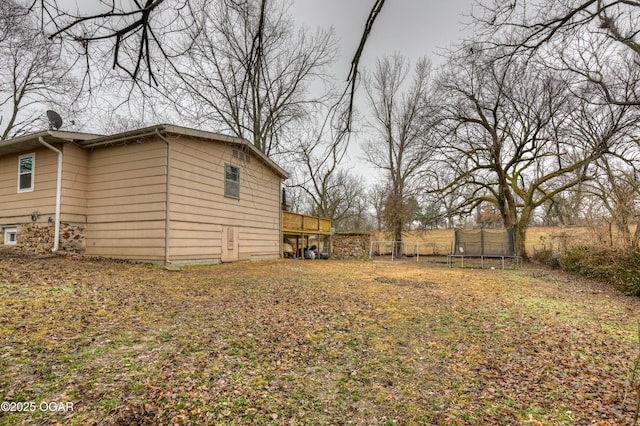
56, 238
167, 217
282, 208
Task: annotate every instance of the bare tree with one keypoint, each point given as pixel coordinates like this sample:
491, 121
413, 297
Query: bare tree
331, 190
134, 37
586, 36
438, 190
131, 37
247, 71
377, 195
338, 195
566, 208
360, 219
596, 44
34, 76
518, 137
401, 147
617, 190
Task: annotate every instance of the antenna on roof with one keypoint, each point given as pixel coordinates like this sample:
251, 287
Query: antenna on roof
55, 121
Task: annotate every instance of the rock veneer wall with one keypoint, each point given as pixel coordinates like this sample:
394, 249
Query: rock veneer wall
38, 238
350, 246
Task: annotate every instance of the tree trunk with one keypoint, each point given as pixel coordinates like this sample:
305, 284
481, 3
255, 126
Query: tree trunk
521, 232
521, 239
397, 237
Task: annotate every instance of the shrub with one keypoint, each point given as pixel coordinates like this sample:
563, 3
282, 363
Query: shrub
547, 257
618, 267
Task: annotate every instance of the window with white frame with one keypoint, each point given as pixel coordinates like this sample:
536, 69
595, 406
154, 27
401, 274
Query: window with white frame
231, 181
10, 236
26, 167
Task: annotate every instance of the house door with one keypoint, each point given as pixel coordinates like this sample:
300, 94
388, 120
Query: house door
229, 244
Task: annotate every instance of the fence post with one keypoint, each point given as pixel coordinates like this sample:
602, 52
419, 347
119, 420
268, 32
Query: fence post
482, 246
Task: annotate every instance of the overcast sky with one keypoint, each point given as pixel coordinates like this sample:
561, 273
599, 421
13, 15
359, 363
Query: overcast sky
414, 28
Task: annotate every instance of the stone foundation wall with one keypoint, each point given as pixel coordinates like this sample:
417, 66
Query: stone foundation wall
72, 239
38, 238
350, 246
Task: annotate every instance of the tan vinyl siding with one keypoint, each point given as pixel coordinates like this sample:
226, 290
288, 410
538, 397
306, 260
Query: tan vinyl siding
114, 187
139, 232
126, 201
148, 250
74, 184
259, 243
199, 209
189, 246
15, 207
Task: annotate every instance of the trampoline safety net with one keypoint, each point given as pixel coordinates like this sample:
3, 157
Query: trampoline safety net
485, 242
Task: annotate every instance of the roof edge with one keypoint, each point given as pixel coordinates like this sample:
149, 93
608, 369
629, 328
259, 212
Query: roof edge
61, 135
31, 141
165, 129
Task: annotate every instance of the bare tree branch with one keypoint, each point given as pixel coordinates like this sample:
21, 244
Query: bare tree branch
34, 76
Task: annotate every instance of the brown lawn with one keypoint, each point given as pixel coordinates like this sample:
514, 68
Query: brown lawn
311, 342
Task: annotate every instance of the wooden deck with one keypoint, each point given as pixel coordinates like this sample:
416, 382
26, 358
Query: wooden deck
300, 224
303, 231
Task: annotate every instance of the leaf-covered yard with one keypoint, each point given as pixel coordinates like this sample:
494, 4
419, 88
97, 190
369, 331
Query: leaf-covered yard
302, 342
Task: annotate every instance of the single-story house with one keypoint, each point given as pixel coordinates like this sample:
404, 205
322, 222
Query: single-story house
165, 194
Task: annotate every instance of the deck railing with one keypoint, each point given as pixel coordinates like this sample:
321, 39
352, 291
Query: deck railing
300, 223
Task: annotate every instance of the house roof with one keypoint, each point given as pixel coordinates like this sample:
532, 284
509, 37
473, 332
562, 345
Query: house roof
30, 141
87, 140
168, 129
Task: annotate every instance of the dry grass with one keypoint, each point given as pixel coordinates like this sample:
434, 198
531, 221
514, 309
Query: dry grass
312, 342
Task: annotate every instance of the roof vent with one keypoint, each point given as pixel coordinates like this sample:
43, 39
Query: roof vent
242, 156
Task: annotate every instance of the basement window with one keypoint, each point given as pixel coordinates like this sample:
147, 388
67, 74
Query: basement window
26, 165
231, 181
10, 236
